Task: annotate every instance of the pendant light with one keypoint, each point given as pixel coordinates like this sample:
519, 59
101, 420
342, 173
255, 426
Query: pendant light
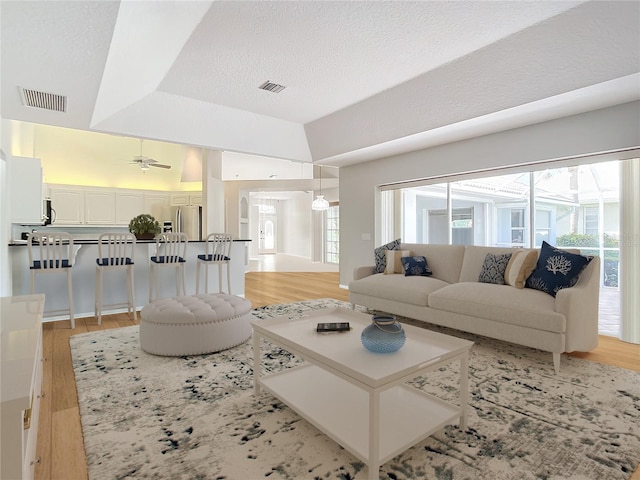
320, 203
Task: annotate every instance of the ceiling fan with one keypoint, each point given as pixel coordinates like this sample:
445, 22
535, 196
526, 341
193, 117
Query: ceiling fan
145, 162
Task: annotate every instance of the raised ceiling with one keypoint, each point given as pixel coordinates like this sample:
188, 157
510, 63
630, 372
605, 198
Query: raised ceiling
363, 79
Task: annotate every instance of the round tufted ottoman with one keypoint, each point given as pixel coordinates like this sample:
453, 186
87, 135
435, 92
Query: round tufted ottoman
194, 324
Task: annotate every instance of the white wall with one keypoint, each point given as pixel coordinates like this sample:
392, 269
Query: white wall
5, 221
297, 225
5, 274
598, 131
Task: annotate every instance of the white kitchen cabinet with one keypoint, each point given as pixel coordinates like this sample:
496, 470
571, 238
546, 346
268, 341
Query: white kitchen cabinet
104, 206
183, 199
25, 184
129, 204
68, 204
196, 199
100, 207
179, 199
153, 203
21, 384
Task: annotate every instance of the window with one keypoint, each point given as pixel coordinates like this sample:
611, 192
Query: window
543, 227
575, 207
517, 227
591, 220
332, 244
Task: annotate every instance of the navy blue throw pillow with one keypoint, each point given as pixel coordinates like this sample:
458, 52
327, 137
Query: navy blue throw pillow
416, 266
556, 269
380, 254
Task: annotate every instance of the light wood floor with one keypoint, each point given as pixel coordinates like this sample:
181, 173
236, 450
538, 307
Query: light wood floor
60, 443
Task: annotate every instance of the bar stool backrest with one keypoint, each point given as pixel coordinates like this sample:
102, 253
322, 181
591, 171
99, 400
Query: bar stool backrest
171, 247
50, 250
218, 248
116, 249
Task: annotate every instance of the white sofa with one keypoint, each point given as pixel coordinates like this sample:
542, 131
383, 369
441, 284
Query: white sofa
453, 297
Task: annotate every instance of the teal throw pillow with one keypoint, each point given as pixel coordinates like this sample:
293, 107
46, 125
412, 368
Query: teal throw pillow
556, 269
416, 266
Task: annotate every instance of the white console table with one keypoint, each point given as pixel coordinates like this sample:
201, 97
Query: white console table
20, 384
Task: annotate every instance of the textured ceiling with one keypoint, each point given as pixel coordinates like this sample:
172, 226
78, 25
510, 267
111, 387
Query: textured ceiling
363, 79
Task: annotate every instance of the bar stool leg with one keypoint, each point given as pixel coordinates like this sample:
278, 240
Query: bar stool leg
184, 279
198, 277
151, 280
95, 297
70, 288
131, 292
228, 278
98, 309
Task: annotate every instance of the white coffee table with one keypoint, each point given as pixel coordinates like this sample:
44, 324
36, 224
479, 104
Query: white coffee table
358, 398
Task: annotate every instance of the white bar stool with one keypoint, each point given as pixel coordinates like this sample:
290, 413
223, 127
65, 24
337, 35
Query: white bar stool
217, 252
52, 252
115, 252
171, 251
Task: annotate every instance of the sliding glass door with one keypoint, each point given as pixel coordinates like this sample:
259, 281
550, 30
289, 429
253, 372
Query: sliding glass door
575, 206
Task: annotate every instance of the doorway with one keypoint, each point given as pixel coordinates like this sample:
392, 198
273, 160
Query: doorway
267, 235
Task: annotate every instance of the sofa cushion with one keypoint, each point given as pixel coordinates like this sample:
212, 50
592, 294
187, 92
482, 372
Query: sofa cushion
444, 260
416, 266
501, 303
412, 290
493, 268
520, 266
556, 269
394, 264
380, 254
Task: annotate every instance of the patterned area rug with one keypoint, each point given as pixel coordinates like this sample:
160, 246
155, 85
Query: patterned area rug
150, 417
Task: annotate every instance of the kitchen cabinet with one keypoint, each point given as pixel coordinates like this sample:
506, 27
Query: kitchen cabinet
105, 206
68, 204
100, 207
195, 199
179, 199
129, 204
21, 384
25, 185
184, 199
153, 203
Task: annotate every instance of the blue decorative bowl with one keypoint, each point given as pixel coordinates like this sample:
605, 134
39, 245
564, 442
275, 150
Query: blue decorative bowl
384, 335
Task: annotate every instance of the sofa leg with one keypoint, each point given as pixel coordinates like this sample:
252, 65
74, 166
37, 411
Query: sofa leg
556, 362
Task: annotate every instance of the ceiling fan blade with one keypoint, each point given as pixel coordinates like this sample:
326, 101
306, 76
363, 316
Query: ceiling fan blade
159, 165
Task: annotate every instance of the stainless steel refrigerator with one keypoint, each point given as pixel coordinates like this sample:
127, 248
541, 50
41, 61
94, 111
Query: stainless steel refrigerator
184, 219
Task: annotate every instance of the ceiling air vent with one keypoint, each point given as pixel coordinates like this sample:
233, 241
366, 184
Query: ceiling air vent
272, 87
48, 101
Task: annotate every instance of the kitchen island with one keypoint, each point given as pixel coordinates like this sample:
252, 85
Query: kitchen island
84, 277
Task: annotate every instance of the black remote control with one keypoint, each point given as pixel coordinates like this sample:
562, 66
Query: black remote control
333, 327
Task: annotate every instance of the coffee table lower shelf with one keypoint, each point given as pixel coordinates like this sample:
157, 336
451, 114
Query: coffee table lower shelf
340, 409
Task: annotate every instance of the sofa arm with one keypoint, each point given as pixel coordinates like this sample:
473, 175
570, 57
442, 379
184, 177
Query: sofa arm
579, 305
361, 272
